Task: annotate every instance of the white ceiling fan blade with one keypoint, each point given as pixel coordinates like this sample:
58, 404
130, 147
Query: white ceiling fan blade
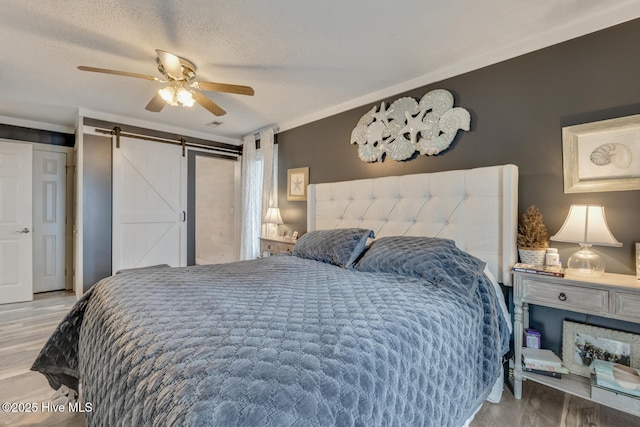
117, 73
211, 106
223, 87
171, 64
156, 104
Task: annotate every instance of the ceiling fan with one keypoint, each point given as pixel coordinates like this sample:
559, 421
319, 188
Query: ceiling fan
181, 90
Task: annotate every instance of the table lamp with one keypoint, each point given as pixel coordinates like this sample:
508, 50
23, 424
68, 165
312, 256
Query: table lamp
272, 219
586, 225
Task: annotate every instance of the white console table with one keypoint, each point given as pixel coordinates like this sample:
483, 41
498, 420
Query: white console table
614, 296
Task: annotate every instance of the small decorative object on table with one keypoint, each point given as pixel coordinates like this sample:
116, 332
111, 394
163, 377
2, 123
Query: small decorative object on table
533, 237
531, 338
552, 258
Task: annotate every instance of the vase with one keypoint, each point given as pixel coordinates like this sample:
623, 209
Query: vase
533, 256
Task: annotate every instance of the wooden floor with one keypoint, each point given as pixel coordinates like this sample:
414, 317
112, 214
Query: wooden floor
543, 406
24, 327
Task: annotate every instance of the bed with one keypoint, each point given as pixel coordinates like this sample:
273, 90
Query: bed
408, 328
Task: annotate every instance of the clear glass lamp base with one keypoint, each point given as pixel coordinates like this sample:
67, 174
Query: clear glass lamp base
586, 262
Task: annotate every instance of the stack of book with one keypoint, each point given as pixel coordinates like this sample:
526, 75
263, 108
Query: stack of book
542, 362
552, 270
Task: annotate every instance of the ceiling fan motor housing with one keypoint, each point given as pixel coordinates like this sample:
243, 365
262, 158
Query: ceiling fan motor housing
188, 70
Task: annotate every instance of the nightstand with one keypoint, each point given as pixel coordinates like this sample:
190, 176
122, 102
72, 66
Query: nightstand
276, 245
615, 296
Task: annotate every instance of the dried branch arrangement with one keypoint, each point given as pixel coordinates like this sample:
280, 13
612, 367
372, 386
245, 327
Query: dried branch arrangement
532, 233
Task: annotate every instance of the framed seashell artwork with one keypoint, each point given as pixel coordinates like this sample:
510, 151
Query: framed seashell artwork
602, 156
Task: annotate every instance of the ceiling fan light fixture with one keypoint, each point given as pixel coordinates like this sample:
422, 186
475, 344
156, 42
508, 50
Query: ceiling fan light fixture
188, 103
168, 93
184, 97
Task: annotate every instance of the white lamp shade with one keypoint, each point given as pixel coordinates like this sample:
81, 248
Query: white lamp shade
273, 216
168, 94
184, 97
586, 224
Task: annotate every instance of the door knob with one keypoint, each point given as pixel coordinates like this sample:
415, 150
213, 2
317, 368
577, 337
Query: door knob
24, 230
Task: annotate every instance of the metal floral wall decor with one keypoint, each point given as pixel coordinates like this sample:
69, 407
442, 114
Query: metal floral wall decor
427, 126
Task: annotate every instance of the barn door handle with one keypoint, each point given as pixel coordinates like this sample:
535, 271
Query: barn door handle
24, 230
184, 216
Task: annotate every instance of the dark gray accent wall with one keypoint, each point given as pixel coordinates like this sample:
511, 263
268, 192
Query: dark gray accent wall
96, 206
518, 108
20, 133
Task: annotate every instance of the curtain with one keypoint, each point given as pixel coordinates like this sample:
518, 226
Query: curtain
251, 199
269, 195
259, 190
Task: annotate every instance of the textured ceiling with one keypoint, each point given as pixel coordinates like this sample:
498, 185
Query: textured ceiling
305, 59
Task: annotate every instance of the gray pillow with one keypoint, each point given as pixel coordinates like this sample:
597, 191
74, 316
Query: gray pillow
439, 261
341, 246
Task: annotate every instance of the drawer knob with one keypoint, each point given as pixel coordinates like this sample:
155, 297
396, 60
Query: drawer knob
562, 296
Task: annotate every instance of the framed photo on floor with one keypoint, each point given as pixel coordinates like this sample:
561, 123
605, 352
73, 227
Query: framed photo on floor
582, 344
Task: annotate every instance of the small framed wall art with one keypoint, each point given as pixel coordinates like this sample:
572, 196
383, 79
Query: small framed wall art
297, 182
602, 156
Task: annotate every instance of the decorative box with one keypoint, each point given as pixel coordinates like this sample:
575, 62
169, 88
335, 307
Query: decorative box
531, 338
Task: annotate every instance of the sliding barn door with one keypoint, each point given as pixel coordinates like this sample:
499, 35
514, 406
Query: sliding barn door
149, 225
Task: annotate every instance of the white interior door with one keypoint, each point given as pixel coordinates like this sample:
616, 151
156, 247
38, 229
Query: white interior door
149, 222
49, 220
16, 222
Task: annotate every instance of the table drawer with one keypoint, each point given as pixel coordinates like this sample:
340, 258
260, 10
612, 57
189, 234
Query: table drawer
628, 305
275, 247
573, 298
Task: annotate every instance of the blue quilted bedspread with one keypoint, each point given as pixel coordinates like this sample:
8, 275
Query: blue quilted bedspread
278, 341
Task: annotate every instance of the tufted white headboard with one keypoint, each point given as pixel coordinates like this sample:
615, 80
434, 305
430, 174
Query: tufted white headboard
478, 208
